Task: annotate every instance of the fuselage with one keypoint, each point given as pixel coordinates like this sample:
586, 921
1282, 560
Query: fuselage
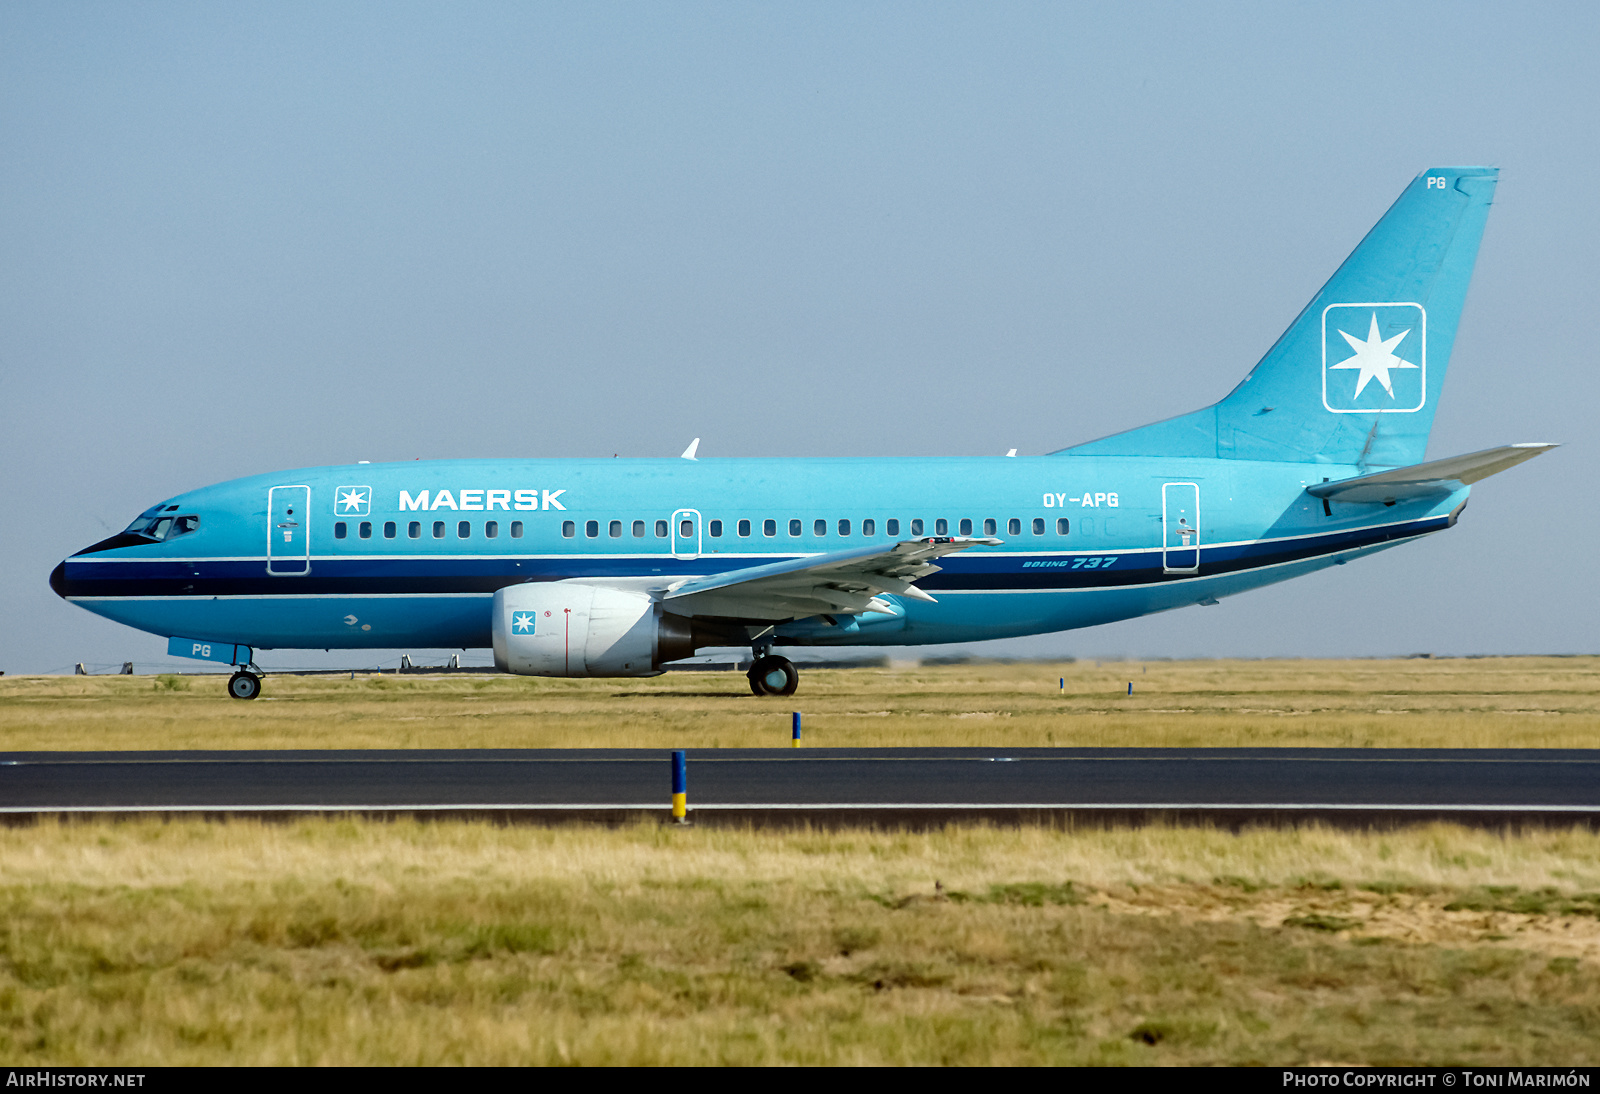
411, 554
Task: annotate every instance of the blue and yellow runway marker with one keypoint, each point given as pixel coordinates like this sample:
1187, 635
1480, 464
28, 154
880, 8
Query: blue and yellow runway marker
680, 786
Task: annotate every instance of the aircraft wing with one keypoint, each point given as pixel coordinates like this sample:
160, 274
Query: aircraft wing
843, 582
1422, 479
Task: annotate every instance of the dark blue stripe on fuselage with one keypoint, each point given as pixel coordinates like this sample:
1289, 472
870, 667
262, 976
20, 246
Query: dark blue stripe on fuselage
91, 577
996, 572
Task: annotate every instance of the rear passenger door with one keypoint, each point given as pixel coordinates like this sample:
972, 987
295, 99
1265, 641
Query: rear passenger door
1180, 522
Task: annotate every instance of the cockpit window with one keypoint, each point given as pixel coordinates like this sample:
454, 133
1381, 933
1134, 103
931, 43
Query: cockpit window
142, 521
156, 525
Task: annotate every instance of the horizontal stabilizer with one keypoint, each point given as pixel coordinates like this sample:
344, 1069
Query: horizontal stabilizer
845, 582
1425, 479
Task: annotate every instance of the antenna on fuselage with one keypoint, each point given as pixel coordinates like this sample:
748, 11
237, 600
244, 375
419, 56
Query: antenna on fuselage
694, 445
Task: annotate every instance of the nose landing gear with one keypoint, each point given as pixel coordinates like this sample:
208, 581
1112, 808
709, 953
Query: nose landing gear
773, 675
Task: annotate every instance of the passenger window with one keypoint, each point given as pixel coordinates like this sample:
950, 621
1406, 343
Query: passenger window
568, 529
615, 529
464, 529
941, 527
965, 527
1038, 526
438, 529
516, 529
869, 527
916, 526
744, 528
414, 529
844, 527
591, 528
365, 529
769, 527
339, 529
491, 529
794, 527
891, 527
638, 529
1061, 526
715, 528
661, 529
1013, 527
988, 526
819, 528
389, 529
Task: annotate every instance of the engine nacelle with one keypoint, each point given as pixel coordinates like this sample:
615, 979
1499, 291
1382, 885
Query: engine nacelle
566, 628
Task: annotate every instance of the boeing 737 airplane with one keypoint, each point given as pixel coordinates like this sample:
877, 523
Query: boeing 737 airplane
614, 567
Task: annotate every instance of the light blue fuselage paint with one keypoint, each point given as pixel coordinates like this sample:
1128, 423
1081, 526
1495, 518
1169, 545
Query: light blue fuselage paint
1256, 526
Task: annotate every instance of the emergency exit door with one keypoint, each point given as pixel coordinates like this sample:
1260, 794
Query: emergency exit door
686, 533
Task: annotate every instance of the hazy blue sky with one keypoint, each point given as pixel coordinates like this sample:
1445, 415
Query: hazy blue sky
246, 237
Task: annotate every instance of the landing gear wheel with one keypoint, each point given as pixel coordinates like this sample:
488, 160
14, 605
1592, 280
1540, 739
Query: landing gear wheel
773, 675
244, 685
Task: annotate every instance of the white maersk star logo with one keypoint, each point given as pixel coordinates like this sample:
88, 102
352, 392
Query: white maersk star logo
521, 622
1393, 352
353, 501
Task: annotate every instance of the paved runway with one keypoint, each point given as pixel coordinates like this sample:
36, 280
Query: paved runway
1225, 785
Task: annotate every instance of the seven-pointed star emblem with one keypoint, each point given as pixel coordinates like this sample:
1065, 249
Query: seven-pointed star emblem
352, 500
521, 622
1374, 357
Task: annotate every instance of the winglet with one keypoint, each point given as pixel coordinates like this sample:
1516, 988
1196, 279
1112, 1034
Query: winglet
689, 453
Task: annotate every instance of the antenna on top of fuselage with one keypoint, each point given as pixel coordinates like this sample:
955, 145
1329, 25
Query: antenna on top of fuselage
694, 446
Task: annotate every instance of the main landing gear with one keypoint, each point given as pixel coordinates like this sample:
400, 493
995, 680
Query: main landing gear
773, 675
244, 684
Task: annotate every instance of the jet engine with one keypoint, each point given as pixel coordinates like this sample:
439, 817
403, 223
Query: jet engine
567, 628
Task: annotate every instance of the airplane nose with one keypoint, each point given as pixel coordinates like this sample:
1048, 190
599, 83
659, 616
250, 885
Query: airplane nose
58, 579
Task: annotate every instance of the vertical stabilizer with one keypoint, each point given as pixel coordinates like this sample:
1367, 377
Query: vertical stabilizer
1356, 378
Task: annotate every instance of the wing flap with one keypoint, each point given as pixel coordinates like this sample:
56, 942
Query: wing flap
1427, 479
843, 582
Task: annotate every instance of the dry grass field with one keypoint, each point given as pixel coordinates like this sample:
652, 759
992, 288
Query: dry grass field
344, 942
1521, 702
333, 942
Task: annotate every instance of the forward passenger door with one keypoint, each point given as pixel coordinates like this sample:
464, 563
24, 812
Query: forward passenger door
289, 531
